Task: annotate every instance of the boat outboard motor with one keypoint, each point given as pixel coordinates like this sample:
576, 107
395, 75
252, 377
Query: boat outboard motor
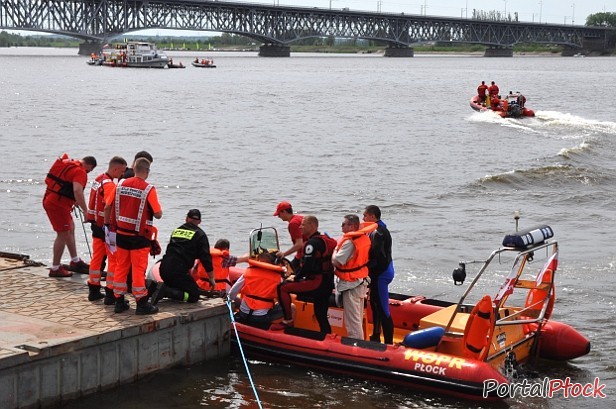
459, 274
515, 111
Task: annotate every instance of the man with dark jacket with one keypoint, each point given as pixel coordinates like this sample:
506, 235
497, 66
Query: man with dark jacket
381, 273
188, 242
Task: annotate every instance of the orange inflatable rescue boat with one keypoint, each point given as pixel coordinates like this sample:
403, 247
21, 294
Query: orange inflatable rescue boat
439, 346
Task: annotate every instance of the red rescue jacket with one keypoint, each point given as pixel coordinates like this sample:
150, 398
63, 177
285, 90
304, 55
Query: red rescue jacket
96, 203
132, 213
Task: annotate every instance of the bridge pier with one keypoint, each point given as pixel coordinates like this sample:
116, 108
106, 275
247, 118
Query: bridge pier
569, 51
274, 50
399, 52
88, 48
498, 52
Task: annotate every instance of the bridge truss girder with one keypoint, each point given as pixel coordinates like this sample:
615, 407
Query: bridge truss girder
100, 20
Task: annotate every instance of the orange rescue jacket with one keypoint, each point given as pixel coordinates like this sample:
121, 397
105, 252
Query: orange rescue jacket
357, 265
221, 274
260, 284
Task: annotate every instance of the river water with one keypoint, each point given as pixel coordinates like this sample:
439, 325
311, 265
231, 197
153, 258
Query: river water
332, 134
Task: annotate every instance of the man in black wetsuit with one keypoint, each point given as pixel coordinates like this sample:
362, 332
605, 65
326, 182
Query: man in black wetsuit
188, 242
381, 272
314, 277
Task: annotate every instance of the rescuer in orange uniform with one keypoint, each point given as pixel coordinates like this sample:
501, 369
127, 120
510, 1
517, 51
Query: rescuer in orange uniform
65, 183
481, 91
134, 205
100, 196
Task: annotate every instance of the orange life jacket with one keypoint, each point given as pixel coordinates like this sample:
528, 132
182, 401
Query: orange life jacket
55, 178
132, 213
260, 283
221, 274
357, 265
96, 203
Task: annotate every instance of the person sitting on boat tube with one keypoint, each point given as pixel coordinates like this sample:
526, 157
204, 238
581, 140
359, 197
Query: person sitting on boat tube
314, 277
258, 287
496, 104
187, 243
221, 260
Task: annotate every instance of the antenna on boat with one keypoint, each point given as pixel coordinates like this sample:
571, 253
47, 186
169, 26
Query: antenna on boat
255, 251
516, 216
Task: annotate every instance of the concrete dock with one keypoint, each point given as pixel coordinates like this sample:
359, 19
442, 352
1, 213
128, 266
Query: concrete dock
56, 346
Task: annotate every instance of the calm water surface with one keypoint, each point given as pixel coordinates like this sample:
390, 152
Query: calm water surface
332, 134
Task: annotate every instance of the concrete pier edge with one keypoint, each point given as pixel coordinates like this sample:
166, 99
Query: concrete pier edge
48, 357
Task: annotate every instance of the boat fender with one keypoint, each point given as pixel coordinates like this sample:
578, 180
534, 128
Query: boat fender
423, 338
479, 329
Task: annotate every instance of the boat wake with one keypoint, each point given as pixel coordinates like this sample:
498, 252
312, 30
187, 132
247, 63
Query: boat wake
547, 122
523, 124
554, 119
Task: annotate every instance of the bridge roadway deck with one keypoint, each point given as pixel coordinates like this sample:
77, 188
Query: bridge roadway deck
56, 346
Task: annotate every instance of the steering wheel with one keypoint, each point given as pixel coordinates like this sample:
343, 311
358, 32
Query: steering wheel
287, 265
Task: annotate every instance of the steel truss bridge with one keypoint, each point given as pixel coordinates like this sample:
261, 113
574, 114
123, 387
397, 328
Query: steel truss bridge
99, 21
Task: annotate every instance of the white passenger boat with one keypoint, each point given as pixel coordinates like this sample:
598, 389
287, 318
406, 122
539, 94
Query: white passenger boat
135, 54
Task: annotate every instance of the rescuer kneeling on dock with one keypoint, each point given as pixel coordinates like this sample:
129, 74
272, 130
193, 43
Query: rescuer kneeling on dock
188, 242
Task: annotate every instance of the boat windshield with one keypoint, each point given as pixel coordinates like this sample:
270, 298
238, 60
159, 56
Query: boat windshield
264, 239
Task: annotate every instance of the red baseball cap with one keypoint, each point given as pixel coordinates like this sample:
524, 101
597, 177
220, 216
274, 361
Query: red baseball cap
282, 206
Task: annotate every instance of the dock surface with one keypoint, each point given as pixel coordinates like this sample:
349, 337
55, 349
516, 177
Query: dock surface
56, 346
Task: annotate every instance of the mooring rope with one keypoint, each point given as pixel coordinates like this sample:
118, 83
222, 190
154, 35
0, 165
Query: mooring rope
239, 344
79, 215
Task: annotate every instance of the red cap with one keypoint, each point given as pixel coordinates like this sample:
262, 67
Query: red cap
282, 206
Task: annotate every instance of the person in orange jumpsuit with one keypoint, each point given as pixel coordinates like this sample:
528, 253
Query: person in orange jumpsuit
100, 195
493, 90
134, 205
65, 183
481, 91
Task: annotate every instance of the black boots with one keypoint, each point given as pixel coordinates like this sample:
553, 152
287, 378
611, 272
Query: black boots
121, 305
95, 292
109, 297
164, 291
144, 307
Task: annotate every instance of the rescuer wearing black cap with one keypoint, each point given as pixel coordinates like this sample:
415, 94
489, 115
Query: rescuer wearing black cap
188, 243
